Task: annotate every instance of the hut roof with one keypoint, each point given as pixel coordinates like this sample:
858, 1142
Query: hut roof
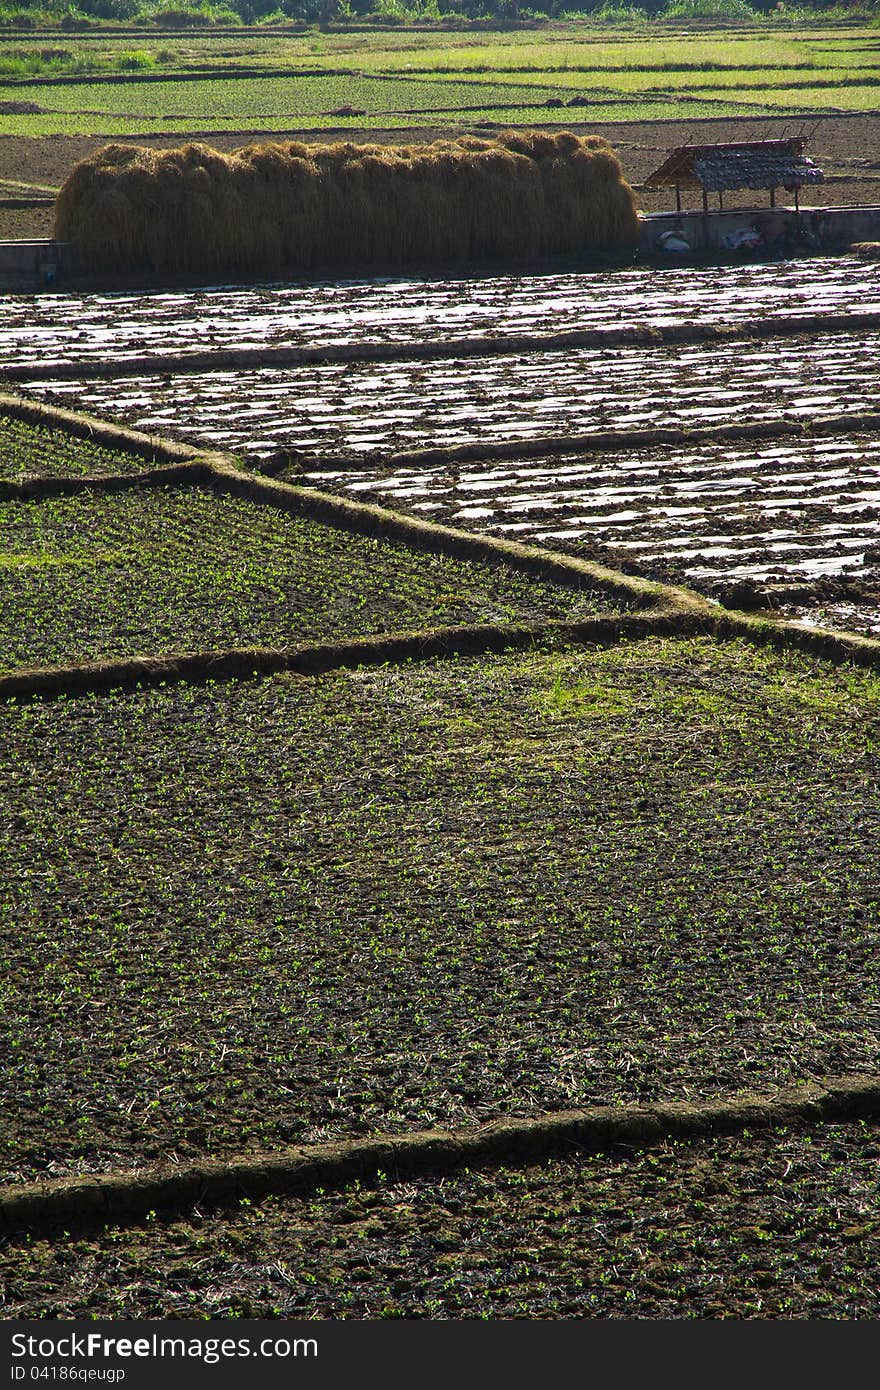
724, 168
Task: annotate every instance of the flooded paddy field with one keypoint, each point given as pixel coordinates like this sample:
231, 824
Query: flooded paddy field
786, 515
375, 409
89, 327
797, 515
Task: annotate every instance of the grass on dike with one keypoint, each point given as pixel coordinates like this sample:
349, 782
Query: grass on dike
301, 909
161, 571
755, 1226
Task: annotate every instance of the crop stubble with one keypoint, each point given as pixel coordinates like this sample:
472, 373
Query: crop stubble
759, 1226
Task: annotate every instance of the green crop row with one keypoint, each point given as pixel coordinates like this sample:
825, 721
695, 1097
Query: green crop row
36, 452
163, 571
226, 98
432, 894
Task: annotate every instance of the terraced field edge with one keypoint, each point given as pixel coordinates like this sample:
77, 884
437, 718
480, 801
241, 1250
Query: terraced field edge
120, 1197
221, 472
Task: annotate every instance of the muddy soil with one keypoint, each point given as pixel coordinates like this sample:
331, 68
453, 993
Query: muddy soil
405, 309
762, 1226
790, 526
370, 410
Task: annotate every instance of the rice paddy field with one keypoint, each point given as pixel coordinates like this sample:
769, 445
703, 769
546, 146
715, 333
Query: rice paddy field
447, 889
788, 512
371, 901
127, 86
179, 570
74, 327
375, 410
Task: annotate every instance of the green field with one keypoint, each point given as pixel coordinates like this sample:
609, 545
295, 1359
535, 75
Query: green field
432, 894
162, 571
28, 451
405, 79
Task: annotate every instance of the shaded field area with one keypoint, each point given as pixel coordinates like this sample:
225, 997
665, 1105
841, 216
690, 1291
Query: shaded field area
169, 571
384, 899
98, 327
760, 1226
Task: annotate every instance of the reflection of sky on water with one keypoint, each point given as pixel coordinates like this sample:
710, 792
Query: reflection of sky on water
80, 327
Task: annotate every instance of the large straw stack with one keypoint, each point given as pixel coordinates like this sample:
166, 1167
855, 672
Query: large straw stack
295, 206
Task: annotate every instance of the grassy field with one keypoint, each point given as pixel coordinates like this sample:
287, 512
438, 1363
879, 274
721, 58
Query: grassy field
392, 80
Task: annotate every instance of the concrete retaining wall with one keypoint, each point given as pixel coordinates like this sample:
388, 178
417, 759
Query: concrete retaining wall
34, 263
779, 228
41, 263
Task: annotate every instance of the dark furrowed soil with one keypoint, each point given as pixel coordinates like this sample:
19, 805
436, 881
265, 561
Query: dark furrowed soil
182, 570
762, 1226
311, 909
33, 451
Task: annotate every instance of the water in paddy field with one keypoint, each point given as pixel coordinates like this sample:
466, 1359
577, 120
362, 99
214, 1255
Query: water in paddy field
82, 327
794, 511
376, 409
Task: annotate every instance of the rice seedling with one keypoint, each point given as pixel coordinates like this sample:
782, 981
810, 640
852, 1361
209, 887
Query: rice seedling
425, 895
773, 1225
158, 572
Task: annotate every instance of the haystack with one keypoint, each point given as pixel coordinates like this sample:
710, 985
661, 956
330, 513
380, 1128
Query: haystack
292, 206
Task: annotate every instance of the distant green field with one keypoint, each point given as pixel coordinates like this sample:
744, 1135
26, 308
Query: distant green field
406, 79
312, 103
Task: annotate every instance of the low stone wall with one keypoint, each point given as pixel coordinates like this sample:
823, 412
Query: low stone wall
39, 264
818, 229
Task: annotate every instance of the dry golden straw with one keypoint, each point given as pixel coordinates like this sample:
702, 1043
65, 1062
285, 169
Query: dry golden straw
275, 206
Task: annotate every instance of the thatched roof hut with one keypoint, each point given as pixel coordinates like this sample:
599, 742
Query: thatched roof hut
758, 164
